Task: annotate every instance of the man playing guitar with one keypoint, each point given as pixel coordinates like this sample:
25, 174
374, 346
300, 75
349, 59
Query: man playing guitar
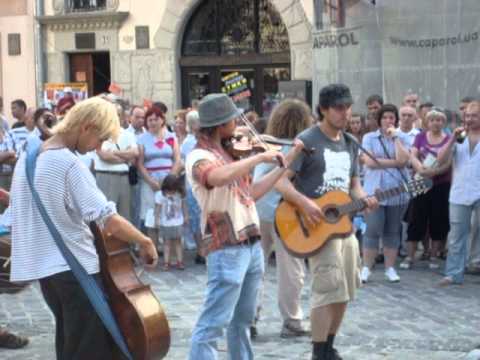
333, 166
71, 198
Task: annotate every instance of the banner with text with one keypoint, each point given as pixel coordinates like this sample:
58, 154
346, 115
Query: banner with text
428, 47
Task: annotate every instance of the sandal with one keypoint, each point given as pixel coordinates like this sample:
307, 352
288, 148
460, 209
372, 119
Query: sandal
180, 265
425, 256
166, 267
11, 341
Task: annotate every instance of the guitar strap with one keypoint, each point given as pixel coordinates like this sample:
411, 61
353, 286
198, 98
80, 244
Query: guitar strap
370, 155
90, 286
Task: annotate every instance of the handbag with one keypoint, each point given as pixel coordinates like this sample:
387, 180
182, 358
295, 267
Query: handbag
132, 175
93, 291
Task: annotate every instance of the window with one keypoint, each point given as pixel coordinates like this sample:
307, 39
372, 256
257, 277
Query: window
335, 10
235, 27
142, 37
86, 5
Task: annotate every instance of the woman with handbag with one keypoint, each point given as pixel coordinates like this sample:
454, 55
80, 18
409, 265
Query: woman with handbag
429, 211
389, 148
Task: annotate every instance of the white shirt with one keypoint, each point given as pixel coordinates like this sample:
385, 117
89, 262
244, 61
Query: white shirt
465, 189
171, 210
71, 197
410, 136
134, 131
126, 140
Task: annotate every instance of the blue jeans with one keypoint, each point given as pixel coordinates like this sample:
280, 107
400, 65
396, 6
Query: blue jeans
234, 277
460, 222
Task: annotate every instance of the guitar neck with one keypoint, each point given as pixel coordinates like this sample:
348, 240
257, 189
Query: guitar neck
359, 205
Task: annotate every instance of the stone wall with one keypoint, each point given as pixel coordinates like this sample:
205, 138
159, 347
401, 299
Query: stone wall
429, 47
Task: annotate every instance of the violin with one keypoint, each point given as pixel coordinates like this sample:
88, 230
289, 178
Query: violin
240, 146
248, 141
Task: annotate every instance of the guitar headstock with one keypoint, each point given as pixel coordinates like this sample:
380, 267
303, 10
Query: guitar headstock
419, 186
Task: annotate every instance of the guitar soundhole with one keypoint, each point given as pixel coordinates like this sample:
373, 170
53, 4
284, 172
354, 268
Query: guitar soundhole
331, 214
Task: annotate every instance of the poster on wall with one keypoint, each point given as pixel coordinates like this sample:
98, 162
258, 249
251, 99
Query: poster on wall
53, 92
236, 86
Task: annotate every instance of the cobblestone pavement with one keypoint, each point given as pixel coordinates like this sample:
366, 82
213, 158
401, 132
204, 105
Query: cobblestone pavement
413, 319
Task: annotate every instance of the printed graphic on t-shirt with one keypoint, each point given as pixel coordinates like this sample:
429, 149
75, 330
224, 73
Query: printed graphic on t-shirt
172, 208
337, 172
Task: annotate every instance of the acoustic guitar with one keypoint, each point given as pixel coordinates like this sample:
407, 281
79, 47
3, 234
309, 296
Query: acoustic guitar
139, 315
303, 240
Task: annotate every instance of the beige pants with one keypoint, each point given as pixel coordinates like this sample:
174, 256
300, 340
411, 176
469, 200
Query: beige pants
290, 275
117, 189
336, 272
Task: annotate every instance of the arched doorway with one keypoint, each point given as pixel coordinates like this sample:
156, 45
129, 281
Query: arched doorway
243, 38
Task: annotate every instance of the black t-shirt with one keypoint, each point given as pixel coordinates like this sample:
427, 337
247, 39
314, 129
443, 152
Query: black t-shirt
330, 167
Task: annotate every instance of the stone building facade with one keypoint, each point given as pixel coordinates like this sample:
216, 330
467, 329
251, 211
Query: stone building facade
143, 40
17, 59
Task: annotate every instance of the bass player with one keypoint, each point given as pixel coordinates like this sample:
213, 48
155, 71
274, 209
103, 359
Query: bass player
71, 199
333, 166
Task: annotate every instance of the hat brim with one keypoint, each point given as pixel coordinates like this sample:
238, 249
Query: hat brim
222, 120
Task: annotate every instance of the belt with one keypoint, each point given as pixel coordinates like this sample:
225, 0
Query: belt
250, 241
111, 172
158, 168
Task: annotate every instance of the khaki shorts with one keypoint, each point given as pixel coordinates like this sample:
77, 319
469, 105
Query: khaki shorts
336, 272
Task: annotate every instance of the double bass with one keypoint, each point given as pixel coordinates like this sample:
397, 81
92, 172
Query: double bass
138, 312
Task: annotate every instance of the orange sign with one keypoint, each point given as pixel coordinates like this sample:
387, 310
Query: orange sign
115, 89
147, 103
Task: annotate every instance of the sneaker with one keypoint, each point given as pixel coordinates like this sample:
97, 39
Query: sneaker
392, 275
253, 332
434, 263
290, 330
365, 274
335, 355
406, 264
425, 256
199, 260
446, 281
12, 341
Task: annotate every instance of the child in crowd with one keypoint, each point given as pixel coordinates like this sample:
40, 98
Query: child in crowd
170, 215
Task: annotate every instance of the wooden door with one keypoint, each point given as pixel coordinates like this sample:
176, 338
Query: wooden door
81, 70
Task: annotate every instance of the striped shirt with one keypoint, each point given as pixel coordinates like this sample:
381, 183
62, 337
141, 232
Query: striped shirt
380, 179
71, 197
19, 136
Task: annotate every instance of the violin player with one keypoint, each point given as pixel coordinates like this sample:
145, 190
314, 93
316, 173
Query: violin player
230, 228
